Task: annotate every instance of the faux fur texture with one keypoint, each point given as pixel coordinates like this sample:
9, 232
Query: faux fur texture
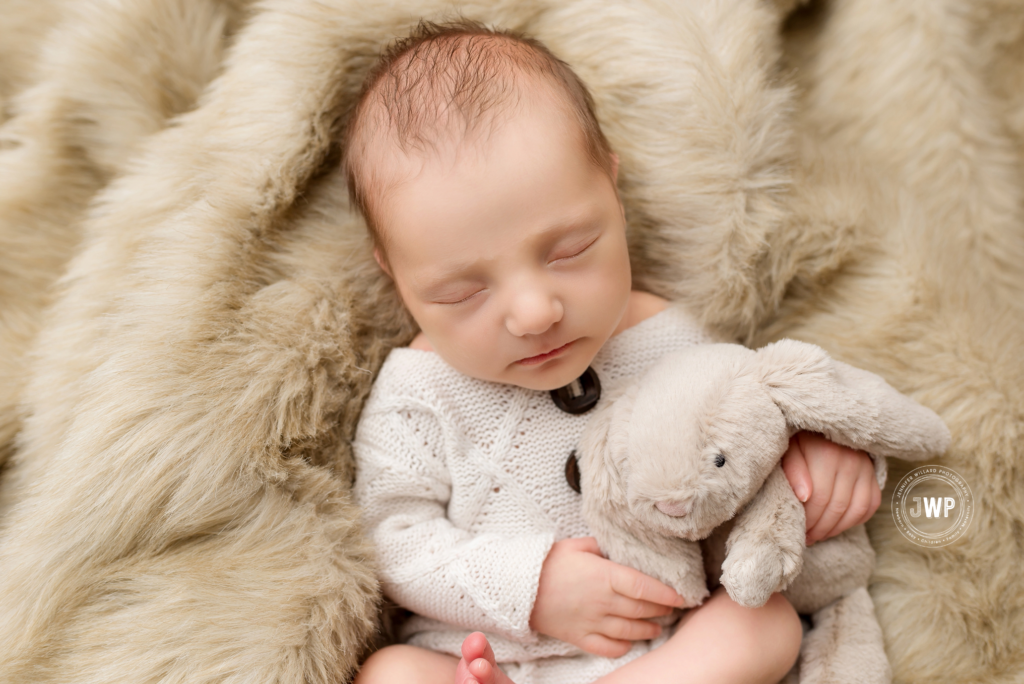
22, 34
178, 502
932, 302
110, 75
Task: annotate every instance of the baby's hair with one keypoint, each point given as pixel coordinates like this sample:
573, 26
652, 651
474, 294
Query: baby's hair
442, 83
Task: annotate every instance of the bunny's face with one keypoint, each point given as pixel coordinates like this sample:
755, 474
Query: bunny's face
702, 437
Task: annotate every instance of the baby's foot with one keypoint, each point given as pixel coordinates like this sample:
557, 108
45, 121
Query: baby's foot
477, 665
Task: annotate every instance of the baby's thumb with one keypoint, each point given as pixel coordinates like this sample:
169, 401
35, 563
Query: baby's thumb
584, 544
794, 465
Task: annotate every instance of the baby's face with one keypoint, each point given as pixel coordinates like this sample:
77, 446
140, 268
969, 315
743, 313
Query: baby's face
511, 255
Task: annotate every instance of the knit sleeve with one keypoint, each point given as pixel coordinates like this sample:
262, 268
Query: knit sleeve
482, 581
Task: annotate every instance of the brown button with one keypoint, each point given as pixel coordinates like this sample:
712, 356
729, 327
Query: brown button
580, 395
572, 472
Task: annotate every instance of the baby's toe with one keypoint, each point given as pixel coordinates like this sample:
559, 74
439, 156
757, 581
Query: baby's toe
475, 646
463, 675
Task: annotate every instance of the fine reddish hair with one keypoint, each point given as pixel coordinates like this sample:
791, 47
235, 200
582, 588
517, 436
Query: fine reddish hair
443, 83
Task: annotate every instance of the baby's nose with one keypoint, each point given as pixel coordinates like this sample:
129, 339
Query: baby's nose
532, 313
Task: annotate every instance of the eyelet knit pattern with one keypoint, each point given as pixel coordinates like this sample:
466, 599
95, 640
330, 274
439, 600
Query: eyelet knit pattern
462, 486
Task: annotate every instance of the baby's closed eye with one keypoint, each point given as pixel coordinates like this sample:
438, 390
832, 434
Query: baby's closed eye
573, 251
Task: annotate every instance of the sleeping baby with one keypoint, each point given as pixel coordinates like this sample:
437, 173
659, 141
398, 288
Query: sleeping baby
490, 194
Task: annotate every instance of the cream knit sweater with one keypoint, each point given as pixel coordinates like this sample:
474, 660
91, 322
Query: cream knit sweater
463, 489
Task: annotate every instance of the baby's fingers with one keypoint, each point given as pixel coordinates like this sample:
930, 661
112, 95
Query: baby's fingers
636, 609
794, 465
863, 504
876, 499
843, 506
600, 645
617, 628
636, 585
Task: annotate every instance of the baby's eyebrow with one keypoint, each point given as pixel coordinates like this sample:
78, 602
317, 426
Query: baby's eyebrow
448, 276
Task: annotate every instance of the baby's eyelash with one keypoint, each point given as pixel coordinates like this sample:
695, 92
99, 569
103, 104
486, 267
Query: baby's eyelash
576, 254
463, 299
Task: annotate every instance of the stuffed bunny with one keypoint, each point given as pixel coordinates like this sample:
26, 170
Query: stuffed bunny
691, 451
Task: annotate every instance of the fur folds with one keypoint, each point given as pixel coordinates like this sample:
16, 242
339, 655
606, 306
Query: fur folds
176, 507
106, 78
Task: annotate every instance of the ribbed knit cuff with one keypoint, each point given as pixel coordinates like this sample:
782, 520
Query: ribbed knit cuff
520, 577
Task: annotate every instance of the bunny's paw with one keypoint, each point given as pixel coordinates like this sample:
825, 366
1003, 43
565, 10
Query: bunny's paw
692, 587
752, 572
682, 569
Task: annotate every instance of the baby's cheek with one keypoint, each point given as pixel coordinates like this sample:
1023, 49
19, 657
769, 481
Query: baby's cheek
605, 291
477, 353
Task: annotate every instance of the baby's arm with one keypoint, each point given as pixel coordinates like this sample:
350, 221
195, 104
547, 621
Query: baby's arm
838, 485
512, 584
485, 581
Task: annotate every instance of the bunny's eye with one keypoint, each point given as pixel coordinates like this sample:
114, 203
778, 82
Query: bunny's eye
720, 460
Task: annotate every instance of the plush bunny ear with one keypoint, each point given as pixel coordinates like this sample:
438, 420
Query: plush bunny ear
848, 405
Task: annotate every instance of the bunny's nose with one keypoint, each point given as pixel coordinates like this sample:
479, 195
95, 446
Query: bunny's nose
676, 509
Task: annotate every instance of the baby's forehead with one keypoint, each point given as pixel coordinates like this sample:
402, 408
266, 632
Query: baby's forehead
443, 166
449, 138
398, 149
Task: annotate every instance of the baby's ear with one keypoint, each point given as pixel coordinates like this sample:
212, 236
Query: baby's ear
381, 261
848, 405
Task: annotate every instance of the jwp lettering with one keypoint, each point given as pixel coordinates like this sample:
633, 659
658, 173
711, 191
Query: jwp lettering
932, 506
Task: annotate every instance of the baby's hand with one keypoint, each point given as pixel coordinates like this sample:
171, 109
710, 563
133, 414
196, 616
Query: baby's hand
836, 484
595, 604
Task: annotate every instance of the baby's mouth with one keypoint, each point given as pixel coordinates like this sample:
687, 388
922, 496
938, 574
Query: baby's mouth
541, 358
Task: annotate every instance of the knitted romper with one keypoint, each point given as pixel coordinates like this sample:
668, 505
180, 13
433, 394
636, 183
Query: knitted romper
463, 490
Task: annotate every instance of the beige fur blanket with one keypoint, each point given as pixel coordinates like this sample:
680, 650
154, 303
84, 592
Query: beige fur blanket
190, 320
